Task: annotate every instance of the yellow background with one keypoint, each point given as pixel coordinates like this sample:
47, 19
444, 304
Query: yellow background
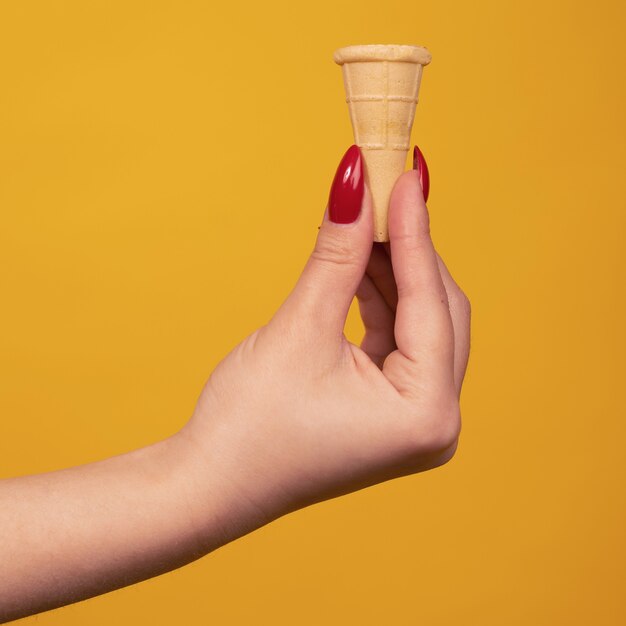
163, 170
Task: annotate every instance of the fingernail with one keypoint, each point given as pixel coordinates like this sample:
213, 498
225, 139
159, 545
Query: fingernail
346, 192
419, 164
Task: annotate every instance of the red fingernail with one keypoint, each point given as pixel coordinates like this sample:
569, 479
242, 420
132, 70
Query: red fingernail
346, 193
419, 164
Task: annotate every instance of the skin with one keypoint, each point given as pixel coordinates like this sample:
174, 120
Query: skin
294, 415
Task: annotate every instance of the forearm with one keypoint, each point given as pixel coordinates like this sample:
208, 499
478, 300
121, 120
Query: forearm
76, 533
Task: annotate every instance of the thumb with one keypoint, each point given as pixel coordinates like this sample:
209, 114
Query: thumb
334, 270
423, 327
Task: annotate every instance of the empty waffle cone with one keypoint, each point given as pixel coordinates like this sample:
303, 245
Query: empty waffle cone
382, 85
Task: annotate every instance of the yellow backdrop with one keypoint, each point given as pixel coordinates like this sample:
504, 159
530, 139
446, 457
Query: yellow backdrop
163, 170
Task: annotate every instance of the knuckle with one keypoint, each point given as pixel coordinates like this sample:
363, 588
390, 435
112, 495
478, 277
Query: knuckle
406, 290
446, 430
459, 302
413, 242
333, 250
446, 455
464, 303
441, 429
433, 432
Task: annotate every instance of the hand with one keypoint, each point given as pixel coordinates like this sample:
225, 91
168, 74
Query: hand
295, 413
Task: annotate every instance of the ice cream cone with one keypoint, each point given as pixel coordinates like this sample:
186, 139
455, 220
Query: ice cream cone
382, 85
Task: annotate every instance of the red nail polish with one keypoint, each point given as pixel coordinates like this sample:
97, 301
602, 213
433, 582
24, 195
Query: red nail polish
419, 164
346, 193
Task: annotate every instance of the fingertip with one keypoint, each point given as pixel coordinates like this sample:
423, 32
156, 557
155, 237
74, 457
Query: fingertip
358, 231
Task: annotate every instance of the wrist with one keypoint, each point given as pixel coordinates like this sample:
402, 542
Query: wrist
215, 484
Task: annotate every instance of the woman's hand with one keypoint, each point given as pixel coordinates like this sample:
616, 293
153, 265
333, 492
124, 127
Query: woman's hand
295, 413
